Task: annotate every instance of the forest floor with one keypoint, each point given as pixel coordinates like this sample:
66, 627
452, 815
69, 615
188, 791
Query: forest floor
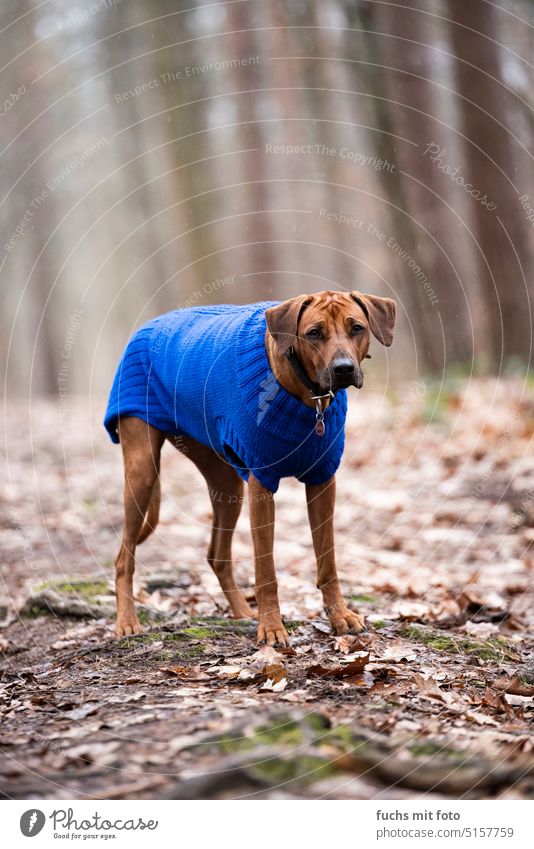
435, 530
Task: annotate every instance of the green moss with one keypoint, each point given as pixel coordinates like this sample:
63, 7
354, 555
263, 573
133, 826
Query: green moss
303, 768
165, 637
197, 633
365, 598
379, 624
317, 722
32, 612
192, 651
149, 616
282, 733
342, 737
431, 749
211, 627
165, 656
494, 648
88, 590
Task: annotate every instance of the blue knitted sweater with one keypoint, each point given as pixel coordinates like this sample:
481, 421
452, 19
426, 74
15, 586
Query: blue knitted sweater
203, 372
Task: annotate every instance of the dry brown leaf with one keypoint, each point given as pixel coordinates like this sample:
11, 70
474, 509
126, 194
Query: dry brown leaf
274, 686
480, 718
345, 670
191, 673
430, 688
265, 656
353, 643
342, 644
515, 686
275, 672
494, 699
397, 651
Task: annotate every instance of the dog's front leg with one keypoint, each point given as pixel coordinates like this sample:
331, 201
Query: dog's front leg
321, 500
261, 509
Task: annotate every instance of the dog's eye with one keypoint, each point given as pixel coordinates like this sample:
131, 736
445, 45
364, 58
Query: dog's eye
314, 333
357, 328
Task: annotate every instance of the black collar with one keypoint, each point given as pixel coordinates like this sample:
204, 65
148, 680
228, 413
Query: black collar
298, 368
314, 389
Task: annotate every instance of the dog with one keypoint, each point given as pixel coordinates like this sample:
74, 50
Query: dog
248, 393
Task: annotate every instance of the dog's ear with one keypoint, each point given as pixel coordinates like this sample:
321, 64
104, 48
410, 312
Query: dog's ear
283, 320
381, 313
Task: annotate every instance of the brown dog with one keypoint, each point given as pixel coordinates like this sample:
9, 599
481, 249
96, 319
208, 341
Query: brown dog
315, 346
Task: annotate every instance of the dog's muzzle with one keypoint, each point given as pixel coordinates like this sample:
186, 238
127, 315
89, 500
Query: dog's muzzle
342, 373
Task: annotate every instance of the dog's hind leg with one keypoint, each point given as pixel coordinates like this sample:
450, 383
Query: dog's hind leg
152, 513
225, 516
141, 448
225, 489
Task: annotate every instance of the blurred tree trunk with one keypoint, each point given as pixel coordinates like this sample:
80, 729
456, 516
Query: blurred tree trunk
387, 147
257, 227
503, 258
413, 104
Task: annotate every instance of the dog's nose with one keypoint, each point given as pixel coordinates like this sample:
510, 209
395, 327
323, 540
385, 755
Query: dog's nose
343, 367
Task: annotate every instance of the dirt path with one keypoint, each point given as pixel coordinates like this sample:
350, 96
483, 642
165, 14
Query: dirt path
435, 526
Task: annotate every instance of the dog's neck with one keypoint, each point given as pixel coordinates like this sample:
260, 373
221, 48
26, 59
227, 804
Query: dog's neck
285, 374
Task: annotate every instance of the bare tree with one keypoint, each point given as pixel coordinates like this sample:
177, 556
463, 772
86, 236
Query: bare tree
491, 155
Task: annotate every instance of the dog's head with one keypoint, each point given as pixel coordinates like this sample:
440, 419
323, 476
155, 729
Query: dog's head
330, 332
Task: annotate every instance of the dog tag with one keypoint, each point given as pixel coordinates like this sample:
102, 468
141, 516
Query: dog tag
319, 427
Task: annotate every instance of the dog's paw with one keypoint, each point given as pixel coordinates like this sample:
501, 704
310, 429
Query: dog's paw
127, 624
273, 633
344, 620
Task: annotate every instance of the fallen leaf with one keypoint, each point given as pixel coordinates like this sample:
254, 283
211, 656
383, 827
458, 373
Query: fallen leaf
514, 685
322, 627
192, 673
83, 711
275, 672
344, 670
480, 718
397, 651
264, 656
274, 686
349, 643
342, 644
430, 688
493, 699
